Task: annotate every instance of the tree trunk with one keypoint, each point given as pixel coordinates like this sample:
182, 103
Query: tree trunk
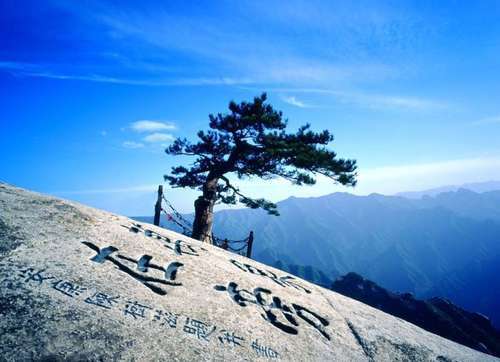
204, 212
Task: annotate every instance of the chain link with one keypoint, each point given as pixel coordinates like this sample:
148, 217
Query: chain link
178, 219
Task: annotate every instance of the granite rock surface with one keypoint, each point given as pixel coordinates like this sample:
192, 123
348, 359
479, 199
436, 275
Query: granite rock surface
83, 284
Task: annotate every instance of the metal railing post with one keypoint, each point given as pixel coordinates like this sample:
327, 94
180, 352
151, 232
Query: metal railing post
250, 243
158, 206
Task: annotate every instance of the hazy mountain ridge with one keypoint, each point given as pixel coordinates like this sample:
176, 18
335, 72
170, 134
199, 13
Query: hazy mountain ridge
478, 187
481, 206
436, 315
434, 246
341, 225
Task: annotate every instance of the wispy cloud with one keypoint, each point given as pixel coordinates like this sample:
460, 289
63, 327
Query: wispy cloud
281, 58
132, 144
138, 188
152, 126
399, 178
392, 101
386, 179
369, 100
17, 66
432, 168
487, 120
158, 137
266, 76
270, 76
217, 51
45, 71
213, 52
282, 70
292, 100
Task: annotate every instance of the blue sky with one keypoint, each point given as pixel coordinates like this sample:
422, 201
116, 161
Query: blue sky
91, 92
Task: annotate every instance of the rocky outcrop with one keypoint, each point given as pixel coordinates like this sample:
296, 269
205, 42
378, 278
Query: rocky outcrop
79, 283
436, 315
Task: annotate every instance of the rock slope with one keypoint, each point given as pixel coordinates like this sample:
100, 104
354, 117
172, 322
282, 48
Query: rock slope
79, 283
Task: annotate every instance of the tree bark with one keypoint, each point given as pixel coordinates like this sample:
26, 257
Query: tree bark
204, 212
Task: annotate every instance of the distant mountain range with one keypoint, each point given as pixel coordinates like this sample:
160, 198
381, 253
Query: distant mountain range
445, 245
473, 186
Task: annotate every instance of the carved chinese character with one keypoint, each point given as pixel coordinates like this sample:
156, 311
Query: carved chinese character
142, 266
102, 300
29, 275
178, 247
68, 288
314, 319
276, 312
181, 248
198, 328
166, 318
230, 338
135, 309
278, 306
283, 281
240, 296
264, 351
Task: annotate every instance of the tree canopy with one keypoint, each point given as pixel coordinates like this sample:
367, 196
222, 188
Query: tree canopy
251, 140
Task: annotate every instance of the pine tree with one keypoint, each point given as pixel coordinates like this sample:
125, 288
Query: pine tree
251, 141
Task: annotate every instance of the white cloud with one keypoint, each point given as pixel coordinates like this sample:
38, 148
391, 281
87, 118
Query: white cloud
152, 126
158, 137
132, 144
295, 102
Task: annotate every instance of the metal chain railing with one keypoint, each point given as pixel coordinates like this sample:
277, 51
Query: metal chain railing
178, 219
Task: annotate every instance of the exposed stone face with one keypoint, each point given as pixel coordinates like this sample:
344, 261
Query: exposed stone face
79, 283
